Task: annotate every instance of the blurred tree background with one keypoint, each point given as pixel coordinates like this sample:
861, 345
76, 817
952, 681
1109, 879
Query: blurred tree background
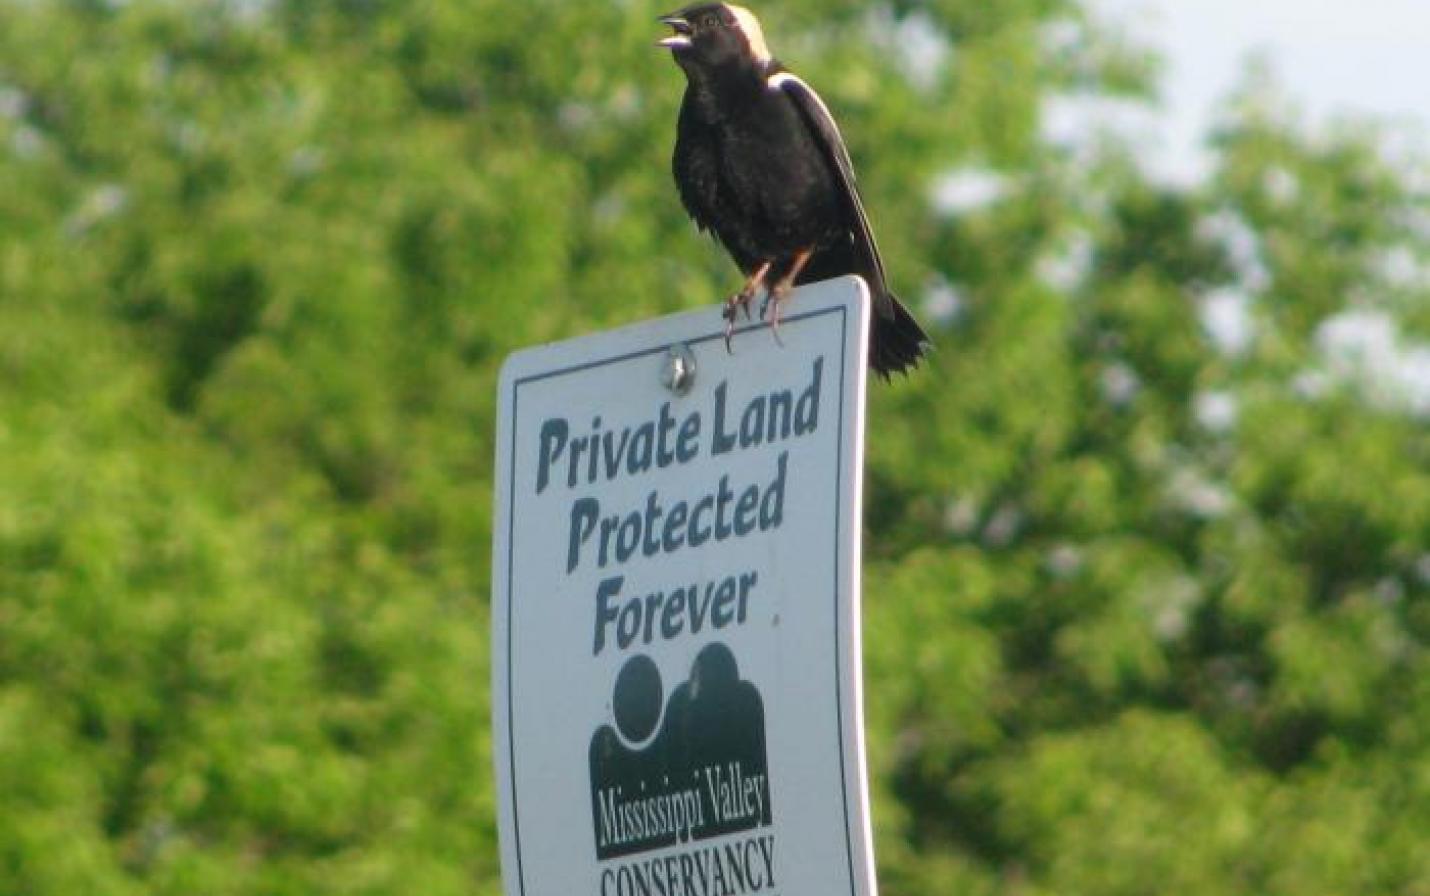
1148, 578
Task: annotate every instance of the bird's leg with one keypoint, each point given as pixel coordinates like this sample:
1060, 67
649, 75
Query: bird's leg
742, 299
782, 288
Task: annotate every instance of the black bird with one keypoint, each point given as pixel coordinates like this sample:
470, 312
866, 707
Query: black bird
760, 162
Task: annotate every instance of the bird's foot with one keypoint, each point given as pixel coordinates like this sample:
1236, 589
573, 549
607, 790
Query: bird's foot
733, 305
742, 299
776, 294
773, 300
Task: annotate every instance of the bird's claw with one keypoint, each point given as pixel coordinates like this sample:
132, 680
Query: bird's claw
773, 299
733, 305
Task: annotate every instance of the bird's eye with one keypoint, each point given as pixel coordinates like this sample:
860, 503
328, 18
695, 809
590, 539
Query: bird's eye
712, 21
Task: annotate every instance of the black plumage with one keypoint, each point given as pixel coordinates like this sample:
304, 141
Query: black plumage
760, 163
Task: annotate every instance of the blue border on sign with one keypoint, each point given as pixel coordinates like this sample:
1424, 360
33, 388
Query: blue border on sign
843, 312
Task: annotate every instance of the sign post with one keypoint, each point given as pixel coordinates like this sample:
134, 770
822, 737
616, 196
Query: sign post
675, 608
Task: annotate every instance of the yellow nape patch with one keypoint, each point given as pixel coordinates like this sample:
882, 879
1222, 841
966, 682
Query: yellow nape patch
750, 27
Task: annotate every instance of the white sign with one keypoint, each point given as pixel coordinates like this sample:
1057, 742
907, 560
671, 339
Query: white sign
675, 609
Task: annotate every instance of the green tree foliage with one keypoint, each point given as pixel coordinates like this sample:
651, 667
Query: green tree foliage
1148, 601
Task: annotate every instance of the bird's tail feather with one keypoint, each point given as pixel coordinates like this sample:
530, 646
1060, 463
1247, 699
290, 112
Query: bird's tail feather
896, 341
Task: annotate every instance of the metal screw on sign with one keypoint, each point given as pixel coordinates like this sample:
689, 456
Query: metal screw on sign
677, 373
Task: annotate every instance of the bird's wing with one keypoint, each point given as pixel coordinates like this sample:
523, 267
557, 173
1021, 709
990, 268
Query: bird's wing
826, 133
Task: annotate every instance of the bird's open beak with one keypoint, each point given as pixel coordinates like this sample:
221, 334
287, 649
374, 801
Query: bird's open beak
681, 38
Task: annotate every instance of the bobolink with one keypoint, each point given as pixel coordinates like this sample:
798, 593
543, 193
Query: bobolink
760, 162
